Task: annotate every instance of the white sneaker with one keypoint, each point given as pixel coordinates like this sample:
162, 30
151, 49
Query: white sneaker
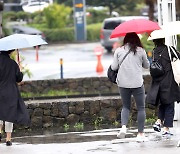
141, 138
122, 133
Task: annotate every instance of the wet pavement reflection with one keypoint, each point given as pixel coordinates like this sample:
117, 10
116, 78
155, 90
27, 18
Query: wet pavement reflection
104, 141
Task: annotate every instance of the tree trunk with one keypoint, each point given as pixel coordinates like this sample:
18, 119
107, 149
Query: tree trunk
150, 3
151, 11
110, 10
178, 9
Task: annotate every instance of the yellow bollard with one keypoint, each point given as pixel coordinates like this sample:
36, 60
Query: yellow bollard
61, 68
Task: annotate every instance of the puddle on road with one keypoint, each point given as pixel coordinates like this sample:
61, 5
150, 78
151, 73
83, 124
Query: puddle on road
59, 135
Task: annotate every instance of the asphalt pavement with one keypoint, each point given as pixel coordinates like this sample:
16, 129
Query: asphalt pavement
79, 60
95, 142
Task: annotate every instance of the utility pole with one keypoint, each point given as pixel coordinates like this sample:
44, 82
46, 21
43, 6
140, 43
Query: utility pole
1, 10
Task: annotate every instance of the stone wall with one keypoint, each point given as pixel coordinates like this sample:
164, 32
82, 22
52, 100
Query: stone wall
57, 112
94, 85
48, 113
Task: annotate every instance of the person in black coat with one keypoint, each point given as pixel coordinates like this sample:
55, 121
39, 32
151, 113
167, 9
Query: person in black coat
164, 91
12, 107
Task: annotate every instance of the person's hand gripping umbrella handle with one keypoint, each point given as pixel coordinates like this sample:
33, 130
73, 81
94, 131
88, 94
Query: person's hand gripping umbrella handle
18, 60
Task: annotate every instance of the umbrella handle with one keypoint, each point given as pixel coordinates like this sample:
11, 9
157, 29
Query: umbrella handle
18, 59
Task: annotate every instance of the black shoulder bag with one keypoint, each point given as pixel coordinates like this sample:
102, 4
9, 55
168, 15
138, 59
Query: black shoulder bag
112, 75
156, 68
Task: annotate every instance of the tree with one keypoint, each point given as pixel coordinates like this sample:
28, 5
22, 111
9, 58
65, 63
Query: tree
56, 15
151, 4
65, 2
112, 4
178, 8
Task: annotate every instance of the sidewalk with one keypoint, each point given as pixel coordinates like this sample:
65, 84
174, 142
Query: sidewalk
94, 142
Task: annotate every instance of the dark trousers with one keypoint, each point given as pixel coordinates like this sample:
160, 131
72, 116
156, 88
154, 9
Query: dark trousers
139, 96
166, 114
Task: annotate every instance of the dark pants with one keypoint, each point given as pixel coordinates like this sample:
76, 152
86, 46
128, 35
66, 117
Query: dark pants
139, 96
166, 114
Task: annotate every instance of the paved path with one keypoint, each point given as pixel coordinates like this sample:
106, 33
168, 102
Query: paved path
94, 142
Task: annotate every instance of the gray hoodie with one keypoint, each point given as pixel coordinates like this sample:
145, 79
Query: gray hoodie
130, 73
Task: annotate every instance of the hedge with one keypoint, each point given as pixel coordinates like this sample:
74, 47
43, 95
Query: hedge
68, 34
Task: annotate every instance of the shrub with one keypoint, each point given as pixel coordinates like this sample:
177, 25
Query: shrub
58, 35
93, 32
56, 15
68, 34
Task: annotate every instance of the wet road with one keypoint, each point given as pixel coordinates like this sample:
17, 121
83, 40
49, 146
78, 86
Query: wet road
79, 60
94, 142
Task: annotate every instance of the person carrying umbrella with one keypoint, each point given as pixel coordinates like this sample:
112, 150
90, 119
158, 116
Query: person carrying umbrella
164, 90
12, 107
130, 80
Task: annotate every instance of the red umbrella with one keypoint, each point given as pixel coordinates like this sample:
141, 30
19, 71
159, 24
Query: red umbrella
136, 25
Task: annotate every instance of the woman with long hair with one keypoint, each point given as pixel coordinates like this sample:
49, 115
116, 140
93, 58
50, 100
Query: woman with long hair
129, 59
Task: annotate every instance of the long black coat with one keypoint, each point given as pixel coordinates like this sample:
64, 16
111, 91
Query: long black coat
163, 89
12, 107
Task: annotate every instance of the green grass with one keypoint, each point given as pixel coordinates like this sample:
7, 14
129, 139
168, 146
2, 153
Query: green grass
79, 126
49, 93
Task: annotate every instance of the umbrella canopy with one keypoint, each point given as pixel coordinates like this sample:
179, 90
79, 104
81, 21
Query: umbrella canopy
19, 41
157, 34
169, 29
138, 26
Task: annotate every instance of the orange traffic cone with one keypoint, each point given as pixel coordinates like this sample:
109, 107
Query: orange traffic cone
99, 67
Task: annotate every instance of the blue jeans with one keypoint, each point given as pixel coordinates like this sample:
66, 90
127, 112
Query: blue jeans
139, 96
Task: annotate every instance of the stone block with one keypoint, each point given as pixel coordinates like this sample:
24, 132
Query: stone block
47, 121
58, 122
72, 109
87, 104
47, 112
86, 118
38, 112
54, 112
45, 105
63, 109
72, 119
79, 107
36, 122
109, 114
94, 107
105, 103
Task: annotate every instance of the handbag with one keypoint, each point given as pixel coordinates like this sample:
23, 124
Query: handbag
156, 68
175, 63
112, 75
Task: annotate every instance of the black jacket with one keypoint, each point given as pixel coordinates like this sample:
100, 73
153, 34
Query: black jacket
163, 89
12, 107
